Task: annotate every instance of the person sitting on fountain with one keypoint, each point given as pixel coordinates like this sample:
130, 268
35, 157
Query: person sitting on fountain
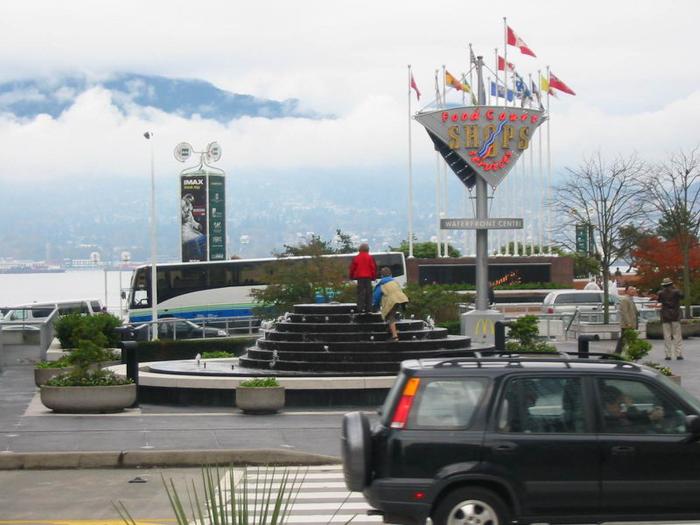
389, 295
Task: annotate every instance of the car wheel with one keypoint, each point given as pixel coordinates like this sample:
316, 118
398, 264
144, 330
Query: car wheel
472, 506
355, 449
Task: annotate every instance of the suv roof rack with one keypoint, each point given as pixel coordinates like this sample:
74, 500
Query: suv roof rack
516, 358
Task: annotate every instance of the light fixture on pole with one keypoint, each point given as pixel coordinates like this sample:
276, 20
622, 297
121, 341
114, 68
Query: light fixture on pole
154, 273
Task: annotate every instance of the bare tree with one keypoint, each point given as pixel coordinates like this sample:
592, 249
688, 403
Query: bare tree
607, 196
673, 189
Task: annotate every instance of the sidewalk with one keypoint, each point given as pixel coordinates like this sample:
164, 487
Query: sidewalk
184, 436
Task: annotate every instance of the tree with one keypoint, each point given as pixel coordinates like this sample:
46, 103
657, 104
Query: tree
673, 189
317, 246
425, 250
657, 258
606, 195
301, 281
631, 238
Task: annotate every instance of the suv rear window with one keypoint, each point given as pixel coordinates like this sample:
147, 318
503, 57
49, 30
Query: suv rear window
446, 403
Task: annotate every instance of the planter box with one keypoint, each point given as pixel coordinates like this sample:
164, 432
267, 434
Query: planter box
42, 375
88, 399
260, 400
675, 378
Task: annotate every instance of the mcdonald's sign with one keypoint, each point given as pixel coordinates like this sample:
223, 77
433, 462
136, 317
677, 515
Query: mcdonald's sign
485, 328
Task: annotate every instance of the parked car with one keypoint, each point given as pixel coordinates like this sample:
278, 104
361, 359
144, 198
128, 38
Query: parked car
490, 441
184, 329
37, 311
568, 301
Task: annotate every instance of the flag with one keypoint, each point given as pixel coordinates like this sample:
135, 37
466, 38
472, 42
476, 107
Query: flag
502, 64
415, 86
555, 83
521, 86
471, 91
536, 92
500, 92
456, 84
516, 41
544, 85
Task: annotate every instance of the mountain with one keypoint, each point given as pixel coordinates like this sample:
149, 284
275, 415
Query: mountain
185, 97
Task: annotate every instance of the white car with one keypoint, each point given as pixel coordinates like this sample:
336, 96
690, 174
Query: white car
568, 301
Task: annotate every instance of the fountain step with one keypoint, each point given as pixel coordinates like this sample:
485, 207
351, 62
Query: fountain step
335, 318
343, 327
273, 335
380, 355
363, 346
325, 308
350, 367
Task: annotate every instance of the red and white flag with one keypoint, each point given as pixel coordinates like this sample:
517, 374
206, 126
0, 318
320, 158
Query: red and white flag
502, 64
515, 40
555, 83
415, 86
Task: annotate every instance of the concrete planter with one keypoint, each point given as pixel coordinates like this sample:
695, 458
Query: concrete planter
42, 375
654, 330
675, 378
260, 400
88, 399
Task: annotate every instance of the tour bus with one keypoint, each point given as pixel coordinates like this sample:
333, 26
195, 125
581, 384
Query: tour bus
221, 288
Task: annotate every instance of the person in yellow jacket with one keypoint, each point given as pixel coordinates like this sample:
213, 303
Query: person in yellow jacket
389, 296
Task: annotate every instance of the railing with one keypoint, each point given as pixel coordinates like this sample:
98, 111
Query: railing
207, 327
43, 325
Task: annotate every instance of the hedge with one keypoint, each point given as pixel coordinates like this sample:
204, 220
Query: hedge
173, 350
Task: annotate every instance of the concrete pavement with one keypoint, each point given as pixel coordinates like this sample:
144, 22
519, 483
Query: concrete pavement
31, 438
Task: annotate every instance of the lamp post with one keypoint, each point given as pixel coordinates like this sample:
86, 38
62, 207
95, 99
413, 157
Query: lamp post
154, 272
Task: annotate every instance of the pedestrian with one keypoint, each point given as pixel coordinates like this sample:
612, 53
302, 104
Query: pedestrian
670, 298
627, 312
363, 269
389, 296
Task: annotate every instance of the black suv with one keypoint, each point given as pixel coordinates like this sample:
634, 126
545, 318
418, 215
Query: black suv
505, 439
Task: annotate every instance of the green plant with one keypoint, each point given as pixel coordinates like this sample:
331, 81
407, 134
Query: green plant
265, 498
169, 349
524, 336
89, 378
453, 327
664, 370
441, 302
59, 363
100, 329
634, 347
86, 354
260, 382
216, 355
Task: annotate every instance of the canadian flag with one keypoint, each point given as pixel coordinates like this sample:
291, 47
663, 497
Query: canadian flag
515, 40
502, 64
415, 86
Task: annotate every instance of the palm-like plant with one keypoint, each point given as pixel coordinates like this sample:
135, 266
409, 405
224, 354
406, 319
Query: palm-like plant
222, 499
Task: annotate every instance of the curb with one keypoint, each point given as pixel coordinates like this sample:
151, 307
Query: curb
159, 458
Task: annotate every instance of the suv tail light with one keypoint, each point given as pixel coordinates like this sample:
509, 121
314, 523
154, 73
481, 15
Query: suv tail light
403, 408
550, 310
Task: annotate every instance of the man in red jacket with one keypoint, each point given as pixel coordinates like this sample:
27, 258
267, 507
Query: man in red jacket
364, 270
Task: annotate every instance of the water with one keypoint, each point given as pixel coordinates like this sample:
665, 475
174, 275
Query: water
28, 288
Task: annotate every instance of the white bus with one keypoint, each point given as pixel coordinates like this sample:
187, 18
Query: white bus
220, 288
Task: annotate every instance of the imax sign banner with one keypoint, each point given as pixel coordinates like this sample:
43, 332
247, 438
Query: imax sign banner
489, 139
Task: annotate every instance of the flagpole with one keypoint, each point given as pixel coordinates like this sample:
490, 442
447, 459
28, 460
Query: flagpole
543, 189
549, 169
410, 170
505, 59
437, 177
466, 190
443, 175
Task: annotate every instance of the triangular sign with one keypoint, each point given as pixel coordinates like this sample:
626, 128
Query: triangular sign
490, 139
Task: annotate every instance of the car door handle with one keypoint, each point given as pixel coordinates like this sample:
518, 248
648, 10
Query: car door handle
504, 448
622, 450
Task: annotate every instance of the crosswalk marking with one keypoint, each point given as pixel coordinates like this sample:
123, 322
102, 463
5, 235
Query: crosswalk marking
322, 496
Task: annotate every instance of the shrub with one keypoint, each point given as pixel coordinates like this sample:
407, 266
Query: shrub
100, 329
524, 334
88, 353
441, 302
634, 347
216, 355
169, 350
260, 382
59, 363
89, 378
453, 327
664, 370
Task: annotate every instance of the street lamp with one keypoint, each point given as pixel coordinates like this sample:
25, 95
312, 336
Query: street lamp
154, 272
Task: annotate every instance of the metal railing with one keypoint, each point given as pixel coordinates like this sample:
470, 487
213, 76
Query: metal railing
208, 327
10, 330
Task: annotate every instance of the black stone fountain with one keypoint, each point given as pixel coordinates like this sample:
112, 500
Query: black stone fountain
324, 355
330, 339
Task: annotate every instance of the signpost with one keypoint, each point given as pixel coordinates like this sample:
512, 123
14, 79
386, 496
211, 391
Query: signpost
202, 206
481, 144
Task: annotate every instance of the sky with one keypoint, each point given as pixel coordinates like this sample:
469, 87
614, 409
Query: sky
632, 64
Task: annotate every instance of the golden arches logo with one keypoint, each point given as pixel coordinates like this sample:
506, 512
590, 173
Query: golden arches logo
484, 327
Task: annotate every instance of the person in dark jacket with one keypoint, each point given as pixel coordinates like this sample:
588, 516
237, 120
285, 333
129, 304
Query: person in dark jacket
670, 298
363, 269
